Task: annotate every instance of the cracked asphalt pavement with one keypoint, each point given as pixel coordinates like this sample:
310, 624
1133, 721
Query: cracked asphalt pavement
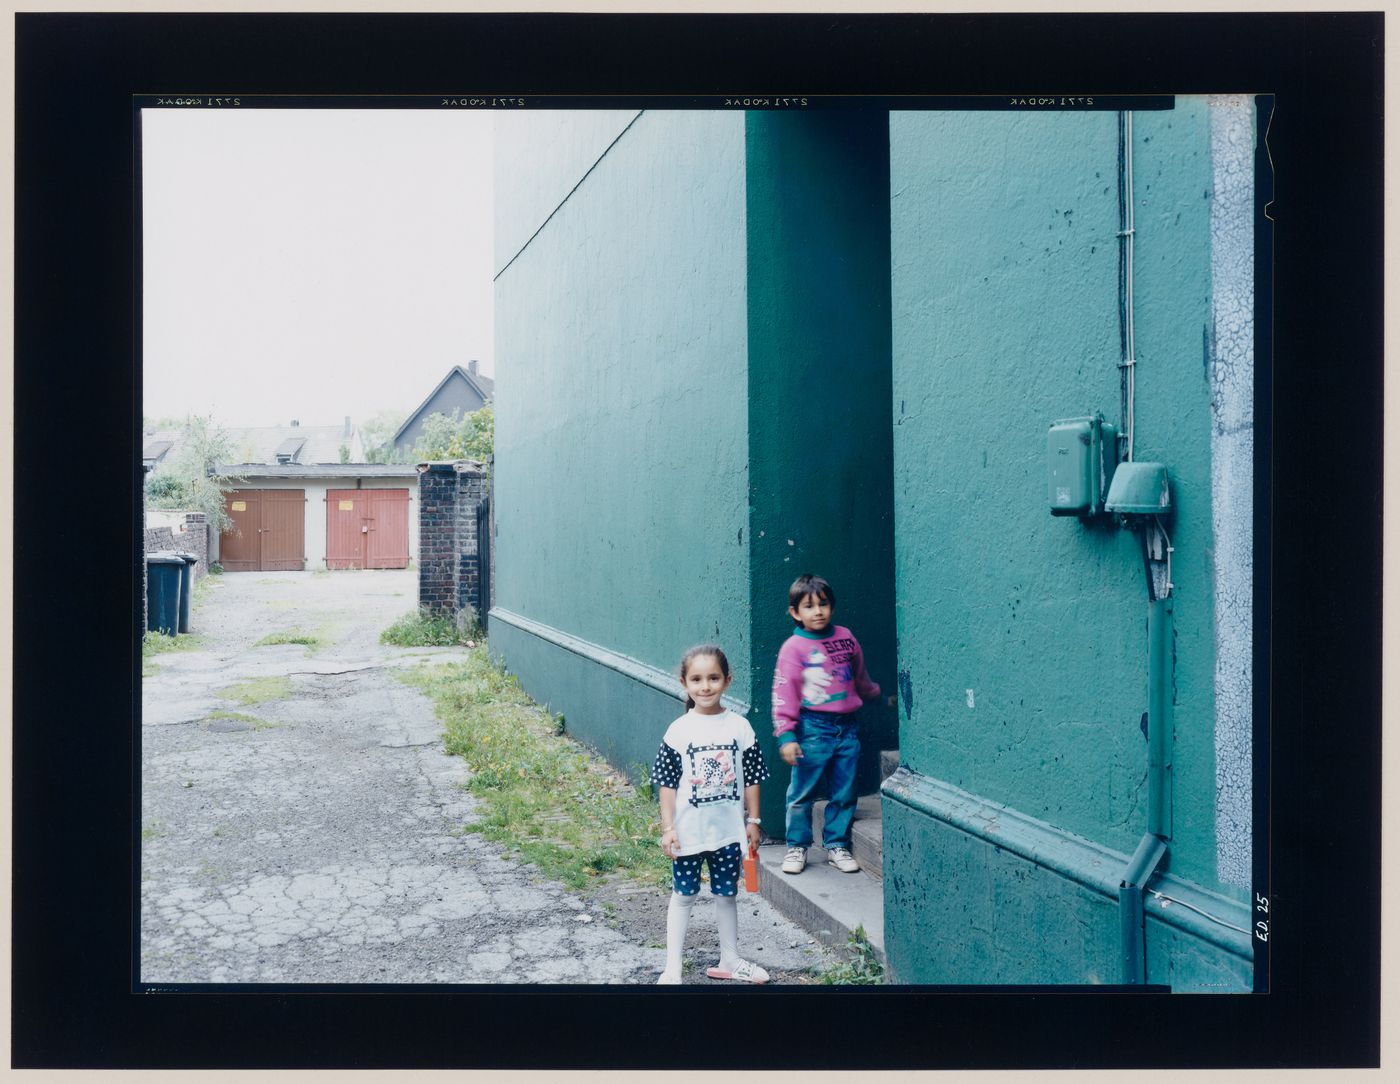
317, 836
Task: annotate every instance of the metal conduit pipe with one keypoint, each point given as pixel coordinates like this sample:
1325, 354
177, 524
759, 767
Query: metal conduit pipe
1132, 925
1159, 720
1128, 366
1152, 848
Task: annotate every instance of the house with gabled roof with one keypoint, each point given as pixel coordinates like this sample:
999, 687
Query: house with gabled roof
462, 390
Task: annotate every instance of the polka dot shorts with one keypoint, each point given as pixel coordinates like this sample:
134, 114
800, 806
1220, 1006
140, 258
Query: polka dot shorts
724, 871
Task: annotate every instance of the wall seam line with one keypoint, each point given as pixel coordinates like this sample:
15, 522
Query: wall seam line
568, 196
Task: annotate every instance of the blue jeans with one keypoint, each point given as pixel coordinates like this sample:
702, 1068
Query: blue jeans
830, 749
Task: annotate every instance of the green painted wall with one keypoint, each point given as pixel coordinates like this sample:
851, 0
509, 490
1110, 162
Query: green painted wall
622, 451
819, 392
1023, 637
692, 405
621, 433
984, 915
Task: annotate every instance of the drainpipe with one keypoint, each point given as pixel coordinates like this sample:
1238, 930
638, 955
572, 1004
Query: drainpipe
1152, 848
1159, 719
1132, 924
1156, 552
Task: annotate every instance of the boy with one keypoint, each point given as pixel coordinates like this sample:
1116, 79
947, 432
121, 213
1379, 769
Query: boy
818, 686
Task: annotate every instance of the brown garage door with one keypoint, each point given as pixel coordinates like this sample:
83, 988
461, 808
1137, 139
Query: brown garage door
268, 532
367, 528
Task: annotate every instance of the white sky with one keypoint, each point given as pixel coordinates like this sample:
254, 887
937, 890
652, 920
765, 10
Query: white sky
312, 264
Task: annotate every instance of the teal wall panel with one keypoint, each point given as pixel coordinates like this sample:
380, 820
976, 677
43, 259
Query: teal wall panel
977, 892
622, 450
818, 394
1190, 965
594, 699
1023, 636
958, 911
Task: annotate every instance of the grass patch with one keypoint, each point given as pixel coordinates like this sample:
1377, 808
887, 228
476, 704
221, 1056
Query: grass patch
157, 643
258, 690
312, 640
240, 717
543, 795
423, 629
861, 967
200, 594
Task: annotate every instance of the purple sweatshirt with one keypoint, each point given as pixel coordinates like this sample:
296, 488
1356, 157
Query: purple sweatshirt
818, 672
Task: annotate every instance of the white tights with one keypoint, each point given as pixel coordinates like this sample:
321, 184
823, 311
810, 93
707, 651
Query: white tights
678, 919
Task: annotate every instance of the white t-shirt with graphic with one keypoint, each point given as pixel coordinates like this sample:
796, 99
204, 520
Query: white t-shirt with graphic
708, 760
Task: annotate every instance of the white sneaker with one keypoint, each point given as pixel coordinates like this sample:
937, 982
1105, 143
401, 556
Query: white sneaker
794, 860
842, 859
668, 978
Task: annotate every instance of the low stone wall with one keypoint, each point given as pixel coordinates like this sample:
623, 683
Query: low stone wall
191, 537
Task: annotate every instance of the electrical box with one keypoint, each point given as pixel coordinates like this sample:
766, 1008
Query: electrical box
1081, 455
1140, 489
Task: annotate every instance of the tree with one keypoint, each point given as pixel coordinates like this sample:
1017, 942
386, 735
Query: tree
377, 434
192, 479
458, 436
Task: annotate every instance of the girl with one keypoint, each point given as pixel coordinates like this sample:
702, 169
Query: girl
708, 768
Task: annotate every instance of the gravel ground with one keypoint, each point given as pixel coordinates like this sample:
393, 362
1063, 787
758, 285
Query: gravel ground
316, 837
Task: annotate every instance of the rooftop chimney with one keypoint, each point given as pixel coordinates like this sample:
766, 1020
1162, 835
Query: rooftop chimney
471, 367
295, 422
347, 425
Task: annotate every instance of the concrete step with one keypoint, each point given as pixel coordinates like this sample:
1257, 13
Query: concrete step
827, 903
889, 761
867, 839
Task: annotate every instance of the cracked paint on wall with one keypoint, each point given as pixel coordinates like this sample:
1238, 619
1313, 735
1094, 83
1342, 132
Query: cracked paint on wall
1232, 474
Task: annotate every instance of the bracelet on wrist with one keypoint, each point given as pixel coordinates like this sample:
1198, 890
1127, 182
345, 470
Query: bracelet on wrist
752, 820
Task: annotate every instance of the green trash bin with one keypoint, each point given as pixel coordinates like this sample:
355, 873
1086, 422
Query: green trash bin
186, 589
163, 572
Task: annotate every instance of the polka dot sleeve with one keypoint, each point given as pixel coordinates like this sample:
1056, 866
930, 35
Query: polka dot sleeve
755, 771
666, 772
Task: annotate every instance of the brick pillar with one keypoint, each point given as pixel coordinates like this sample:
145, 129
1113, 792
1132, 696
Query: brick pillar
471, 488
195, 540
437, 542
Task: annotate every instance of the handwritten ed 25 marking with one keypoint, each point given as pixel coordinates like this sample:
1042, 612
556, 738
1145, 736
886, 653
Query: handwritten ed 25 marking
1261, 928
199, 101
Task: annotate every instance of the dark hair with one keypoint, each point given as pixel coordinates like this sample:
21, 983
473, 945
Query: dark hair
696, 652
808, 584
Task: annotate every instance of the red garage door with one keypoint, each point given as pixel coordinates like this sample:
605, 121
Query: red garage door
268, 531
367, 528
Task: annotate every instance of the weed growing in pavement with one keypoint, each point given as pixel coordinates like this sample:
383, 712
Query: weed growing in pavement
420, 628
861, 966
157, 643
543, 795
240, 717
258, 690
312, 640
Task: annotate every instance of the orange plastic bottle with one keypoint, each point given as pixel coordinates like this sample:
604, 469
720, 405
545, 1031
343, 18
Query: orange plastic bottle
751, 870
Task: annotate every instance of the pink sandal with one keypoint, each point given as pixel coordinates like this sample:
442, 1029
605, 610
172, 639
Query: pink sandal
742, 971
